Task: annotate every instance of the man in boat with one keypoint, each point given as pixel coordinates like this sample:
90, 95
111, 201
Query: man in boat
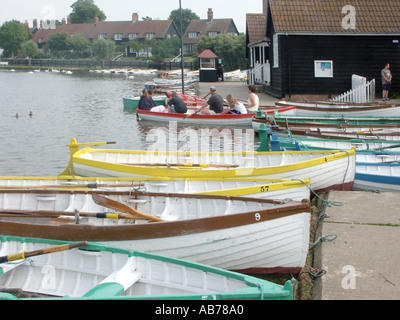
214, 105
176, 104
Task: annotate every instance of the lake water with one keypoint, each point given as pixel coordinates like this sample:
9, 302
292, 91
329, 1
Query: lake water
84, 106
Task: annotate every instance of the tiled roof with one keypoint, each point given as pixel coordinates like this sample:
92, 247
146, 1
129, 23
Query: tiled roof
141, 28
256, 26
203, 27
110, 28
326, 16
207, 53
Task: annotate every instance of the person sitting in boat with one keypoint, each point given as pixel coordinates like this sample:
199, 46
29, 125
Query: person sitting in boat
235, 106
214, 105
254, 100
176, 104
146, 102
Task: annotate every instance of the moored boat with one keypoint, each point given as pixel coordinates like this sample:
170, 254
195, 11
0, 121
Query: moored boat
346, 109
377, 162
377, 171
50, 272
327, 169
249, 235
256, 188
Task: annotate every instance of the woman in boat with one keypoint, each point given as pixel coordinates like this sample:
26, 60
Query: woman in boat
235, 107
146, 102
253, 102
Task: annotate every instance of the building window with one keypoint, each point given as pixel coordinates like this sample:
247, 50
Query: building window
190, 48
212, 34
132, 36
118, 36
192, 35
168, 36
150, 36
40, 40
101, 36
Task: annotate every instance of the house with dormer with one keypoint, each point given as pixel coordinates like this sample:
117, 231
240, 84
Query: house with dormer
312, 48
119, 31
206, 27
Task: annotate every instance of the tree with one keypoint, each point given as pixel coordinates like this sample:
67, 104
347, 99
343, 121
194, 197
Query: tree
84, 11
103, 49
79, 44
187, 16
230, 48
29, 49
162, 49
59, 43
12, 34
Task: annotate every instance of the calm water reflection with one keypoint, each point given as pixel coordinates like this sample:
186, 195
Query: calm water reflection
84, 106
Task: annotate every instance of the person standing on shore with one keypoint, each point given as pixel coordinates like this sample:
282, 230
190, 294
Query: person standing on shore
386, 81
254, 100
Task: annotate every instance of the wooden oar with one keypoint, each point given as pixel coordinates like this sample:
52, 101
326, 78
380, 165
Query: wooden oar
50, 214
388, 147
23, 255
115, 205
191, 114
93, 185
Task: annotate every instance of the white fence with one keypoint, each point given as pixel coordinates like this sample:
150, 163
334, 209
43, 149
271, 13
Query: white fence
362, 91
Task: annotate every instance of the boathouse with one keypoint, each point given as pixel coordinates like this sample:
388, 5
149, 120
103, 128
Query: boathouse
298, 48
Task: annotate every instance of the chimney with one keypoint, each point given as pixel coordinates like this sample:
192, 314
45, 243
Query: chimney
135, 17
63, 23
35, 24
27, 23
210, 15
69, 19
96, 18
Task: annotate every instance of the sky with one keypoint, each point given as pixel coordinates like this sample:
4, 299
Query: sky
121, 10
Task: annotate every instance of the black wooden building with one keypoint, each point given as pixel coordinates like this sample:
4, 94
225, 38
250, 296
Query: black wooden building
314, 47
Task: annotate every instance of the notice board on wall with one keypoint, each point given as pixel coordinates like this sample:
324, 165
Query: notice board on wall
323, 68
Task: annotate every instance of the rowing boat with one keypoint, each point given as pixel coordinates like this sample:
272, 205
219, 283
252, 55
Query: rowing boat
342, 109
219, 119
191, 100
298, 122
377, 162
327, 169
57, 270
257, 188
242, 234
377, 171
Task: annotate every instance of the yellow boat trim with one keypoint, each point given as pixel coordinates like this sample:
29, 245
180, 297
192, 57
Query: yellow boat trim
200, 172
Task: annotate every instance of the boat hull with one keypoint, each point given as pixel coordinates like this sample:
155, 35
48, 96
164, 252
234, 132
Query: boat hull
319, 109
211, 120
107, 273
250, 236
327, 170
256, 188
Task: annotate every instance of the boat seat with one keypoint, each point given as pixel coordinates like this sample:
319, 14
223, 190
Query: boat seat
61, 220
117, 282
7, 267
